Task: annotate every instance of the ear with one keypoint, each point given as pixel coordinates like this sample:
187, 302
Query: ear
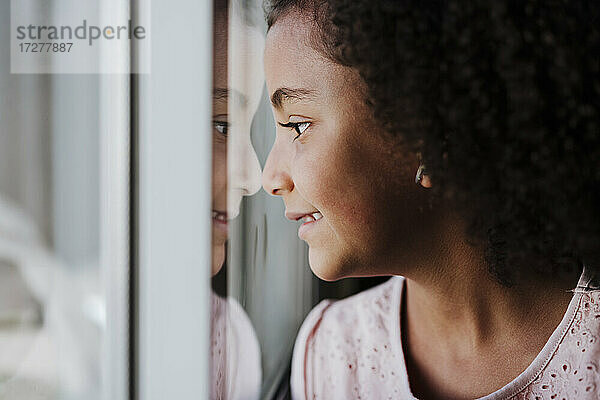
422, 178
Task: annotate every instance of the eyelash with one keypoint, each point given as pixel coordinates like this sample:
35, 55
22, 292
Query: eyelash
295, 126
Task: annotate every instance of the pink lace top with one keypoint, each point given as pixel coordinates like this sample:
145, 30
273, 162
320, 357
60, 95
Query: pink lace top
351, 349
235, 352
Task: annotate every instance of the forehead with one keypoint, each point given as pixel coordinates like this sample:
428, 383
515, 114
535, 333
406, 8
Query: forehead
291, 61
237, 55
220, 50
290, 32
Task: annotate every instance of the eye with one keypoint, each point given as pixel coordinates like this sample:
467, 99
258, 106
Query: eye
221, 127
299, 127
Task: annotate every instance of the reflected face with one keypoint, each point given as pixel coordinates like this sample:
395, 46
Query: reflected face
236, 170
350, 185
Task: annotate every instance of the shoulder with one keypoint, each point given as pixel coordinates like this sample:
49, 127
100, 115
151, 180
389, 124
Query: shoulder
574, 369
235, 351
353, 314
307, 330
245, 370
346, 313
582, 340
334, 332
581, 344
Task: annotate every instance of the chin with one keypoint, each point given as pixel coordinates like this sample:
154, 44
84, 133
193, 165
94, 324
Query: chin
218, 258
328, 266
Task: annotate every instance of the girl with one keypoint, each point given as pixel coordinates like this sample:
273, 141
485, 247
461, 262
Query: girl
453, 146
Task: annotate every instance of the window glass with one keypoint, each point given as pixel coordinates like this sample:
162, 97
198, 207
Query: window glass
63, 284
267, 281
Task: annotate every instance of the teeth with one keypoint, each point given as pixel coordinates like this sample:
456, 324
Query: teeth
219, 216
312, 217
308, 218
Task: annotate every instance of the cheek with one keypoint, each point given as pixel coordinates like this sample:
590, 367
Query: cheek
331, 176
219, 168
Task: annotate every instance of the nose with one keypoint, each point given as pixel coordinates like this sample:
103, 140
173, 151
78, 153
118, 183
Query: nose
276, 179
245, 169
252, 183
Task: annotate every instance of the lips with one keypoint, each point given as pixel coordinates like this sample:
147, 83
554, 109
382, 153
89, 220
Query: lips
310, 216
220, 226
309, 220
219, 216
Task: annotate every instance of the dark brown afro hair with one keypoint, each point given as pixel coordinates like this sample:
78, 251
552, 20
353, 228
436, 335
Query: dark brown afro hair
501, 98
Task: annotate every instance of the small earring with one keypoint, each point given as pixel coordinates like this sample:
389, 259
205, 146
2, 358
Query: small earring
420, 172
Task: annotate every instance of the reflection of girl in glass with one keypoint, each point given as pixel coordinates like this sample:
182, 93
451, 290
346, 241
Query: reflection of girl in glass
493, 109
235, 352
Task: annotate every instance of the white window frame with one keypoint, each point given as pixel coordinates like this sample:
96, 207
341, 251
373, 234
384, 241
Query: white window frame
174, 121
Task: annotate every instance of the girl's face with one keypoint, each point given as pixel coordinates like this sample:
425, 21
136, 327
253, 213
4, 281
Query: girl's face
334, 168
235, 170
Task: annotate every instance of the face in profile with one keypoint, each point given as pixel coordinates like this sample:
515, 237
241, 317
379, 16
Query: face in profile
236, 170
351, 185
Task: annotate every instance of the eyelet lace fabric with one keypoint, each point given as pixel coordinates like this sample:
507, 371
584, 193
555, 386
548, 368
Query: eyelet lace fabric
573, 372
218, 347
350, 349
235, 353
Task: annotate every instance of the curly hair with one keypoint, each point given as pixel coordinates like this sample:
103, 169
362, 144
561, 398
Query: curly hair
502, 101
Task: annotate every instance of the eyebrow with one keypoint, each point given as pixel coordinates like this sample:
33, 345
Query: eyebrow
283, 95
224, 94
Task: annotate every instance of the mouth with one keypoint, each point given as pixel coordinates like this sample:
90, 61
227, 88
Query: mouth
220, 220
310, 217
309, 220
219, 216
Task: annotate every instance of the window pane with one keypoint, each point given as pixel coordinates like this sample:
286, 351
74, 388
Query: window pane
268, 282
63, 230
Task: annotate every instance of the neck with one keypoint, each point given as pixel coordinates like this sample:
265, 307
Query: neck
452, 297
464, 334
